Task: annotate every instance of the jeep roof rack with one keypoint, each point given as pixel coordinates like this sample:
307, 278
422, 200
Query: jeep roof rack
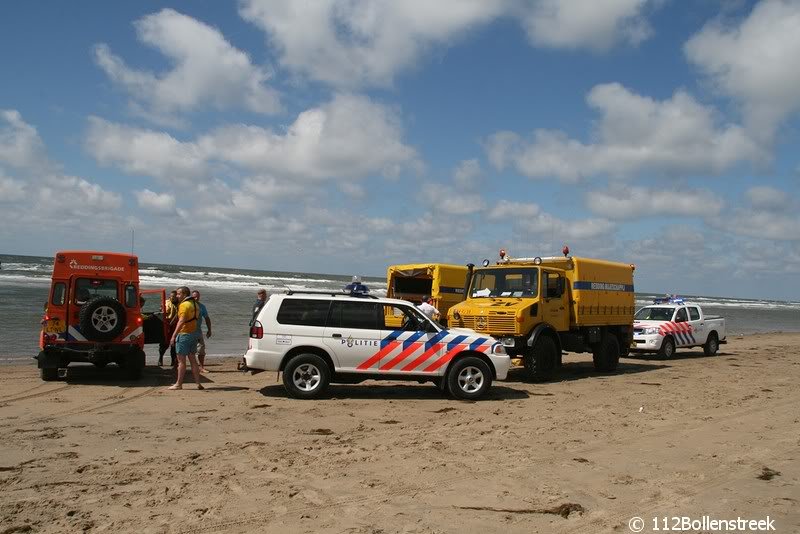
330, 293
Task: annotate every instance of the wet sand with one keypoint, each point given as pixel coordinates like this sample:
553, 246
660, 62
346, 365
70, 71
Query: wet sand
692, 436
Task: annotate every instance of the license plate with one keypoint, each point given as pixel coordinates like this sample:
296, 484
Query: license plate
54, 326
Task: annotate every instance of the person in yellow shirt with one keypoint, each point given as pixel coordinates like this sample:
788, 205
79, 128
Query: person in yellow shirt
171, 317
185, 336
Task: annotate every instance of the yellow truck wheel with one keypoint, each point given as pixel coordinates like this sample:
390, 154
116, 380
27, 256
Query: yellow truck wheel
540, 361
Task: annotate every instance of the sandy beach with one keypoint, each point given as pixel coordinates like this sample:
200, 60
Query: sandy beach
693, 436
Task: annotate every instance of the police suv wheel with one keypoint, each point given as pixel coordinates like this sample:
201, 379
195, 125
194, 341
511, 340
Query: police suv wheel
306, 376
469, 378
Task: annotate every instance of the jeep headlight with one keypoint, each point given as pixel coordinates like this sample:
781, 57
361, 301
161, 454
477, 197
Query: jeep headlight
499, 349
651, 330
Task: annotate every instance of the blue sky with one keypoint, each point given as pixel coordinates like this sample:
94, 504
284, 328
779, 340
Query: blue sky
342, 137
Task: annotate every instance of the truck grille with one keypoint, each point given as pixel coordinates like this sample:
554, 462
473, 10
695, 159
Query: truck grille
491, 324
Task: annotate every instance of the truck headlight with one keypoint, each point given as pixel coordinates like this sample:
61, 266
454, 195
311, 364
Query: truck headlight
499, 349
507, 341
651, 330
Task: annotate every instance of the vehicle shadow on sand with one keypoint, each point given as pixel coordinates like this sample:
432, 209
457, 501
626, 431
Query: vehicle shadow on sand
570, 371
112, 375
682, 355
407, 391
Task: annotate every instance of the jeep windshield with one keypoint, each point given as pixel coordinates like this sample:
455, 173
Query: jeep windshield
513, 282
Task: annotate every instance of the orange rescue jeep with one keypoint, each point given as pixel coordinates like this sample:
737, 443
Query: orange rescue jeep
93, 314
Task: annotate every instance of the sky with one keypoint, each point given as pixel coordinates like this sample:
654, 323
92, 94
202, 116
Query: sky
341, 137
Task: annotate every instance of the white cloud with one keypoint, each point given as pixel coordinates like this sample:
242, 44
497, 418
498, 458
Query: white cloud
20, 144
755, 61
766, 197
11, 190
468, 174
634, 133
635, 202
368, 42
362, 42
144, 152
445, 200
348, 138
505, 210
159, 203
593, 24
768, 214
207, 71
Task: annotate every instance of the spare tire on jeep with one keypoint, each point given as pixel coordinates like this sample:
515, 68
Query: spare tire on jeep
102, 319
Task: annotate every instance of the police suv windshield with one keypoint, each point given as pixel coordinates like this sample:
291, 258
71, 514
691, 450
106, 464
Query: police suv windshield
654, 314
510, 282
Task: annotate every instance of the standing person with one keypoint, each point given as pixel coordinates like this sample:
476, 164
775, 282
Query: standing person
261, 299
356, 286
428, 309
201, 342
185, 337
171, 317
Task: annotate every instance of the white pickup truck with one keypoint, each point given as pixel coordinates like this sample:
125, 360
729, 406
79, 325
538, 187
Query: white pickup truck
671, 323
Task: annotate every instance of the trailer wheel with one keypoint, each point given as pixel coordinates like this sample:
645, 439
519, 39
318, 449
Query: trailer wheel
712, 344
540, 361
667, 349
606, 354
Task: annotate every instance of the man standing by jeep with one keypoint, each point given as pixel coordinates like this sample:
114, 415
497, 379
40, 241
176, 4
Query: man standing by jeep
171, 317
185, 337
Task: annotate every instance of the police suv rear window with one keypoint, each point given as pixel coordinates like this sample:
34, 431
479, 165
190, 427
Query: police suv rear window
305, 312
348, 314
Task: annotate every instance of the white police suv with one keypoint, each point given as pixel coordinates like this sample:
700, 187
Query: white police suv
320, 338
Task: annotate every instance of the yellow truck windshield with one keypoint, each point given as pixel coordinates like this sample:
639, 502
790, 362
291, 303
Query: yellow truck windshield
505, 282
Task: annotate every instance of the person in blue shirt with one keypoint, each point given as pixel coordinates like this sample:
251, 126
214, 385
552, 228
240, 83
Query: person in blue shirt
356, 286
201, 342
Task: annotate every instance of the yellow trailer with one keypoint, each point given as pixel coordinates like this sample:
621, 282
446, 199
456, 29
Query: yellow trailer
539, 307
412, 281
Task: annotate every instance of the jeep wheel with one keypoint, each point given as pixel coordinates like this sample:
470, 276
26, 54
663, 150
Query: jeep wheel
102, 319
48, 374
712, 344
667, 349
306, 376
540, 362
469, 378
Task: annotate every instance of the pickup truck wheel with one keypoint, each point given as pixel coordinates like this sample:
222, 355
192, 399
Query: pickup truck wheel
540, 362
667, 349
606, 354
306, 376
712, 345
469, 378
48, 374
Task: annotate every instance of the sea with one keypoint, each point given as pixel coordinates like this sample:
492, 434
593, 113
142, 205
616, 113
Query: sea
229, 295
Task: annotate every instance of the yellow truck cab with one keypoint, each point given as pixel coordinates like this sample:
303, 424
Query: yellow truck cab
443, 283
539, 307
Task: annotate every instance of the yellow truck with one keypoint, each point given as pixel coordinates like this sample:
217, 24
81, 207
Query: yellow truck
443, 283
539, 307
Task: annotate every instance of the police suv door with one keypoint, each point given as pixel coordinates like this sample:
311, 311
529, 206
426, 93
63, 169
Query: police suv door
410, 343
353, 332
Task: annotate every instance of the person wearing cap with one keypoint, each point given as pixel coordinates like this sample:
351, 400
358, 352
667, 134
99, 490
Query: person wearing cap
356, 286
428, 309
